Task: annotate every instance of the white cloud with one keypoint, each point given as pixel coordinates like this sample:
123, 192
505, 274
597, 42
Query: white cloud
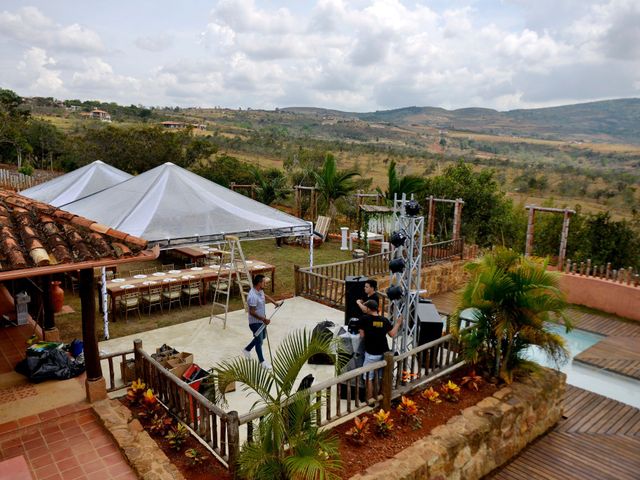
154, 43
29, 25
98, 74
36, 68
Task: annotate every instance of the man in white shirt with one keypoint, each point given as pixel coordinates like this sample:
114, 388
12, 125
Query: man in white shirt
257, 318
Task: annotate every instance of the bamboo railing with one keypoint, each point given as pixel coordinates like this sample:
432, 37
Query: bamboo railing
125, 355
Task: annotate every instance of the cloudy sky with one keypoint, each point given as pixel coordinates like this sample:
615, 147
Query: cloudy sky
357, 55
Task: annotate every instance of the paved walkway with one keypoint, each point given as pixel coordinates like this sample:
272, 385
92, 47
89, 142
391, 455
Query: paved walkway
65, 443
598, 438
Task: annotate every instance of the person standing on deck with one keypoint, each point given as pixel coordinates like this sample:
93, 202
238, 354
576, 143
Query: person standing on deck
257, 318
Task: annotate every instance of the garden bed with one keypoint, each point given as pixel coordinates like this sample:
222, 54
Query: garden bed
357, 458
208, 468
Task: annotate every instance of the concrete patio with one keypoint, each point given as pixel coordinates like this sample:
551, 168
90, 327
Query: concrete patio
210, 343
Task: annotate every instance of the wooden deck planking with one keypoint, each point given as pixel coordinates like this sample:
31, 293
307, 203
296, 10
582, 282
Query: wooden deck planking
599, 439
616, 354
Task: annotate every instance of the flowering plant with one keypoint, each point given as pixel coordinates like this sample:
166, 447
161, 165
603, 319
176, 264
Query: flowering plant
450, 391
472, 381
408, 410
384, 423
136, 391
358, 433
431, 395
407, 376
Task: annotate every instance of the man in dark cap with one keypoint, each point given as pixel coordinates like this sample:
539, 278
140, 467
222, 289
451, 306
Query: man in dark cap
374, 329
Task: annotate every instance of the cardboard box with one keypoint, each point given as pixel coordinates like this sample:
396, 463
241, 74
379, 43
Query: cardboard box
128, 371
179, 370
186, 357
173, 363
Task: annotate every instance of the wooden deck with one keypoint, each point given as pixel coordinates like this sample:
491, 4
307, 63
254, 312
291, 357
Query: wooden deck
598, 438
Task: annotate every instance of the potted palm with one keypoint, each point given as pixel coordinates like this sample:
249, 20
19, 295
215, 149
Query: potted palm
512, 298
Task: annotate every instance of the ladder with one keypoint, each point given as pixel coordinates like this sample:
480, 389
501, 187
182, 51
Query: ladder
234, 270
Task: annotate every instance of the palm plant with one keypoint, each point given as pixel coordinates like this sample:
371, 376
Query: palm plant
513, 297
288, 443
398, 185
334, 184
271, 185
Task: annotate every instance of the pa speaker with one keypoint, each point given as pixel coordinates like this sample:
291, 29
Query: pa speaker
430, 322
353, 290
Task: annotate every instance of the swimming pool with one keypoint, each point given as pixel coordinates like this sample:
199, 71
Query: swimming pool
608, 384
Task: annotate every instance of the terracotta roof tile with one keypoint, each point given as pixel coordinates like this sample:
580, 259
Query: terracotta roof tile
34, 234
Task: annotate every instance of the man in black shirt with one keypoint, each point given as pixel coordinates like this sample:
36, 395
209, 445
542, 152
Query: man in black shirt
374, 329
370, 287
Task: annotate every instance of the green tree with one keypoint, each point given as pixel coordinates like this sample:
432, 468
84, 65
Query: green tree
225, 169
334, 184
271, 185
288, 443
13, 124
487, 216
407, 184
513, 297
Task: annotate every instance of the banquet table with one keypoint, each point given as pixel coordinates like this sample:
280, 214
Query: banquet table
205, 275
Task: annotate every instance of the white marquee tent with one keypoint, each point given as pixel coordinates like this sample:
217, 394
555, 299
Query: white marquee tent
171, 206
77, 184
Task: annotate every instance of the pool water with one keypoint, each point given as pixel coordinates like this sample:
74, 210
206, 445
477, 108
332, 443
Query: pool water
608, 384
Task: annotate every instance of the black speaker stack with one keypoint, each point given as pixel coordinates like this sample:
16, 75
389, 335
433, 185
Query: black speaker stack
353, 290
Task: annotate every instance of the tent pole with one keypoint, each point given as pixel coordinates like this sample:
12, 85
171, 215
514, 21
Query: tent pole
103, 299
311, 246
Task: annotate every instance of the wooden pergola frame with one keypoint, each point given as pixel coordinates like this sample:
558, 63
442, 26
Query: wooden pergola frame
301, 190
566, 212
251, 188
458, 203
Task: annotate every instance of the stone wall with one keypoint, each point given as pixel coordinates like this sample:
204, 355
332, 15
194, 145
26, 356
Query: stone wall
439, 278
483, 437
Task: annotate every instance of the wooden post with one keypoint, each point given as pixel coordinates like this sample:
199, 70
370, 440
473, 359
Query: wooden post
588, 272
568, 266
563, 237
233, 439
296, 280
297, 199
457, 218
49, 317
607, 272
137, 348
88, 304
528, 248
387, 381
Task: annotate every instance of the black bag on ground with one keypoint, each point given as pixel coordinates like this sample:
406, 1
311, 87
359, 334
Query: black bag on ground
51, 365
323, 331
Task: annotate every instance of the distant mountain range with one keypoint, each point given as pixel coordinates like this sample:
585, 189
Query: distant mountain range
608, 121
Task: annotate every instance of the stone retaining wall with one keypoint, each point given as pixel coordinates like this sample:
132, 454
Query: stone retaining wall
483, 437
439, 278
141, 451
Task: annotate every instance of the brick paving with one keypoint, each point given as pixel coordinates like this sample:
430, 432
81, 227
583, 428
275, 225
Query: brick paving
13, 342
65, 443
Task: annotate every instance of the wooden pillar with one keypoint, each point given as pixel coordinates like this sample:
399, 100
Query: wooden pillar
528, 248
457, 218
49, 317
95, 383
563, 238
314, 196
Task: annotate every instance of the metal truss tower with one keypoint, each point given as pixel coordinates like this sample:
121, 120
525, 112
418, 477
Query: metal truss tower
409, 279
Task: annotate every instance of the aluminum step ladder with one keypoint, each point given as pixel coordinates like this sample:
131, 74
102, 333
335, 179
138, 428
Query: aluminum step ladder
235, 270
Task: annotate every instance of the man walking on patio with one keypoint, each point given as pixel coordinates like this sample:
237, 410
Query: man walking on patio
257, 318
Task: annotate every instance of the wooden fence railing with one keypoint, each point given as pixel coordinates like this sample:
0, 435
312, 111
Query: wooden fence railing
215, 427
627, 276
326, 284
14, 180
125, 355
394, 376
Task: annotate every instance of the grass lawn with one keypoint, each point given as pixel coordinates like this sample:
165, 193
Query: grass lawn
284, 259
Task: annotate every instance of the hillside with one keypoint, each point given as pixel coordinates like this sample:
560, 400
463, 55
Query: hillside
612, 121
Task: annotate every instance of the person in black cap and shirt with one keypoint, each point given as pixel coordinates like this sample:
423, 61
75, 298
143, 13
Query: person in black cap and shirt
374, 329
370, 290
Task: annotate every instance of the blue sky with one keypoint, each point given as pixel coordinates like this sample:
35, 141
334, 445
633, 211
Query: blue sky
350, 55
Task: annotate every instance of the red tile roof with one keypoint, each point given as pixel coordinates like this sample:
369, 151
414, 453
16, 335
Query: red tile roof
35, 234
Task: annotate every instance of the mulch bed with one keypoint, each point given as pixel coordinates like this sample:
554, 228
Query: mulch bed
209, 469
357, 458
